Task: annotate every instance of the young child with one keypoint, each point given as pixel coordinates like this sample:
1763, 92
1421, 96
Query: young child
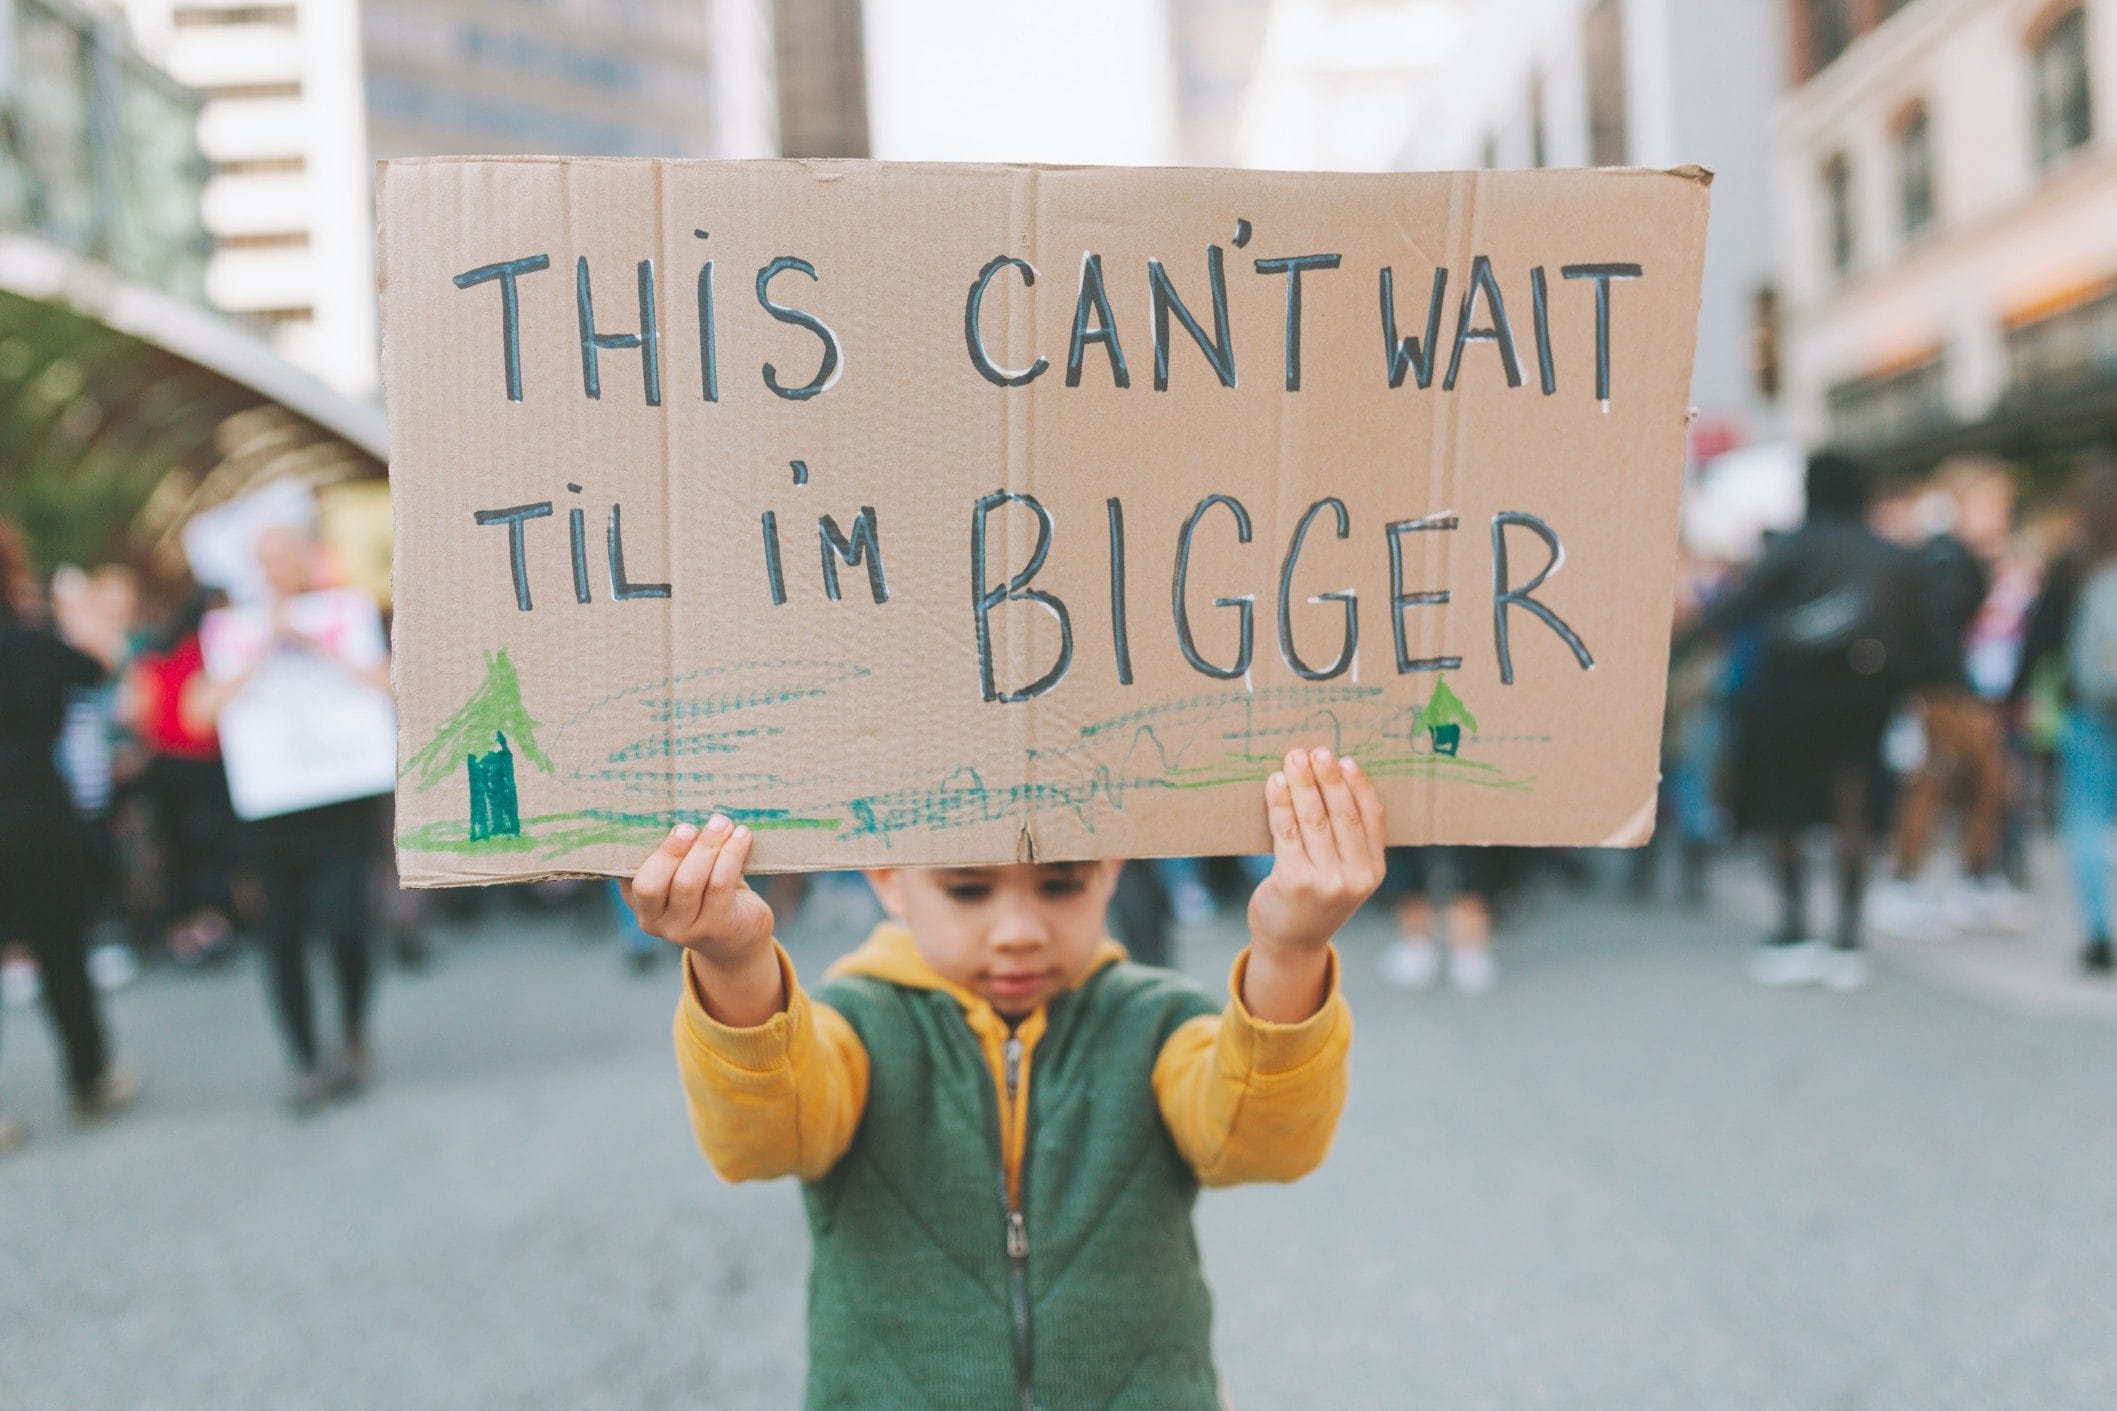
1001, 1124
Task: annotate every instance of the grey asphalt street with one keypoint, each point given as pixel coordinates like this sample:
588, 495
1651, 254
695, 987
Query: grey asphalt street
1628, 1179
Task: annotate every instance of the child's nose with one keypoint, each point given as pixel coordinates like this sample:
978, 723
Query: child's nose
1019, 927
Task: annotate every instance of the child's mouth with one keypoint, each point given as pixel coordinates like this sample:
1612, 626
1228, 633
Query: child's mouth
1015, 987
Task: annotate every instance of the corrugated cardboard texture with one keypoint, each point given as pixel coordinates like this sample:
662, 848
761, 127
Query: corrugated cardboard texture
557, 719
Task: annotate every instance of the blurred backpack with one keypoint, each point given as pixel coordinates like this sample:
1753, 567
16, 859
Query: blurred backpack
2091, 642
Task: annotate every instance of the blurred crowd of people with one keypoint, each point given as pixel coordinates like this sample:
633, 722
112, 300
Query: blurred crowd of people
1915, 661
1914, 654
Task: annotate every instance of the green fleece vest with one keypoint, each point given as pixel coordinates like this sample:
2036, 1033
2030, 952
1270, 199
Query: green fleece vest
914, 1299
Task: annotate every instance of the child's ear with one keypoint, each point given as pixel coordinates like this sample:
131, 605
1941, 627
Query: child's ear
889, 890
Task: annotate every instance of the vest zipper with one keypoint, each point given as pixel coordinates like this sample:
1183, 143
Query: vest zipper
1017, 1227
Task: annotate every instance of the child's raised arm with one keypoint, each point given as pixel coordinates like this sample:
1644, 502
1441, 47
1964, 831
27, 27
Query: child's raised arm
1327, 828
690, 891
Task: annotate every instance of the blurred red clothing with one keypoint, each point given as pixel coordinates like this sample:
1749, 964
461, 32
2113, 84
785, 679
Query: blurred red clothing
160, 679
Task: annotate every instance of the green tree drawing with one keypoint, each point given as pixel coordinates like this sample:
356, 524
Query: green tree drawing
1446, 718
491, 721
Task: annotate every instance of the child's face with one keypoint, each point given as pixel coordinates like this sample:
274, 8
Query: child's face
1016, 935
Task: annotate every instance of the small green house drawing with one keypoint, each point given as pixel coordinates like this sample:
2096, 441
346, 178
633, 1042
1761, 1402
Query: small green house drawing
1445, 718
486, 734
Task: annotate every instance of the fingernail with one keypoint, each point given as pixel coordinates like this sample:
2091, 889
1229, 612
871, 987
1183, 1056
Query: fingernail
1320, 756
1349, 764
683, 833
1279, 780
718, 823
743, 831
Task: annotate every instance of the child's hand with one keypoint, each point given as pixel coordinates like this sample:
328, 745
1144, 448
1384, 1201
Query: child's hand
1327, 827
690, 891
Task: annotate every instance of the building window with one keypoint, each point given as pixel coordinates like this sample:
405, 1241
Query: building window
1890, 407
2071, 347
1829, 31
1914, 171
2064, 120
1837, 210
1602, 37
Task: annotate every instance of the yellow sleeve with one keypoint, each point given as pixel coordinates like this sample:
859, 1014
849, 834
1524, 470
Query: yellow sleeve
780, 1099
1248, 1100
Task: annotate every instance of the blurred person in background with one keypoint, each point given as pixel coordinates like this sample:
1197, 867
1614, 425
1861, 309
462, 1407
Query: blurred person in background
1843, 636
186, 790
2073, 627
46, 879
102, 608
1964, 759
1471, 879
1693, 743
312, 864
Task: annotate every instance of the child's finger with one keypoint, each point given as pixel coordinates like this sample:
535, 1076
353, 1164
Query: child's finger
687, 891
727, 870
1309, 810
1347, 831
1279, 813
650, 885
1373, 818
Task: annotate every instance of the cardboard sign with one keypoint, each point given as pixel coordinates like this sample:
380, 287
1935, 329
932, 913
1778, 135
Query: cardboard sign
304, 730
915, 514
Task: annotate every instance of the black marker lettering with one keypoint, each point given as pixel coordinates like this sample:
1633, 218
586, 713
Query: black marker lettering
1504, 597
983, 600
1119, 638
975, 337
1291, 266
1482, 282
769, 523
1540, 294
1220, 349
648, 340
577, 527
1094, 299
1412, 354
825, 371
1602, 275
622, 589
514, 519
863, 545
1399, 600
1350, 599
507, 271
1244, 606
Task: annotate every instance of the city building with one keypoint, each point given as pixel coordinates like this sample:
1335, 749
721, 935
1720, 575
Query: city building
1641, 83
302, 97
1947, 170
126, 404
1333, 84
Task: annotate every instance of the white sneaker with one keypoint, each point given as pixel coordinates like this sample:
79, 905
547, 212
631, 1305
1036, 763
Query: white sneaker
111, 966
1472, 971
1795, 963
1995, 904
1844, 970
20, 984
1905, 910
1410, 963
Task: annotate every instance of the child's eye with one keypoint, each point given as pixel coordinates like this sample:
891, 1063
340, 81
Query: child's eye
1064, 887
968, 891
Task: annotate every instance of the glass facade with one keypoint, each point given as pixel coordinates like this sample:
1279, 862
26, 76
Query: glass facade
98, 148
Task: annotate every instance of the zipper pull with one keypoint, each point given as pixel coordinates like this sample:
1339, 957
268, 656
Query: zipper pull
1017, 1235
1014, 1064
